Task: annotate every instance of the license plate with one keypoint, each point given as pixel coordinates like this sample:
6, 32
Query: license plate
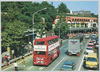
91, 66
73, 53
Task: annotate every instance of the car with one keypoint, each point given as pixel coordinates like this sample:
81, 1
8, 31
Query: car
89, 49
85, 55
91, 61
97, 44
93, 36
91, 43
87, 36
94, 40
68, 66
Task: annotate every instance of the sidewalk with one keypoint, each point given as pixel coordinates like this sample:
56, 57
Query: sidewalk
15, 59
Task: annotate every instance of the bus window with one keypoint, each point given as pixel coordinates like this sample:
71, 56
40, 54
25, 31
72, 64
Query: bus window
40, 43
40, 53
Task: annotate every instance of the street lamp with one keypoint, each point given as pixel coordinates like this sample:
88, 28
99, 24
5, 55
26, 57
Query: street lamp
34, 23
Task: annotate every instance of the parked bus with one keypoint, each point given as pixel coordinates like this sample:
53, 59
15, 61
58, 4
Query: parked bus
46, 50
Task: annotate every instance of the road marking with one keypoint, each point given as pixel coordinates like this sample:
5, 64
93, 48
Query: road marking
57, 64
41, 68
81, 63
30, 67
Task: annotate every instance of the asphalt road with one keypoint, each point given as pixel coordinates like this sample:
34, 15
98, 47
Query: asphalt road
56, 64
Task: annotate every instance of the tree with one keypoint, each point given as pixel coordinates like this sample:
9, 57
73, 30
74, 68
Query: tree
13, 31
62, 8
64, 29
22, 13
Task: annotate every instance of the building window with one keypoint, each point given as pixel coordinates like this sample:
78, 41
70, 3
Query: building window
88, 19
72, 19
80, 19
94, 20
84, 19
75, 19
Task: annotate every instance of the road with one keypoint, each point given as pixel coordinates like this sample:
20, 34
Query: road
57, 63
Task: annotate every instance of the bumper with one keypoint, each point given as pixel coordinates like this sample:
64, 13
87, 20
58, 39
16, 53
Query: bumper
97, 46
91, 67
86, 37
77, 53
35, 63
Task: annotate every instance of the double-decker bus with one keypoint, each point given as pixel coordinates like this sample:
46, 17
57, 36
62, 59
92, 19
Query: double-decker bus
46, 50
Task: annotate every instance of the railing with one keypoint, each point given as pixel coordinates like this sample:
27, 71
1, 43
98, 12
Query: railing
16, 59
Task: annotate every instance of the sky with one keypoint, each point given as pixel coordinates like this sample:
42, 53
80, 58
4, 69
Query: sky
78, 5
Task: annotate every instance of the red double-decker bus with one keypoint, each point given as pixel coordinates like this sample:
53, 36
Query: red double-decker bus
46, 50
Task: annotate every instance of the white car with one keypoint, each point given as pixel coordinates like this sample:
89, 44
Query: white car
93, 39
91, 43
87, 36
85, 55
88, 50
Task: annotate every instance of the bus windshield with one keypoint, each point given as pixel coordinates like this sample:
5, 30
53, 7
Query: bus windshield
40, 53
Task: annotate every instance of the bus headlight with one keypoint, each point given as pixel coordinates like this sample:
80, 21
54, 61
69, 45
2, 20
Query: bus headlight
38, 61
42, 58
38, 58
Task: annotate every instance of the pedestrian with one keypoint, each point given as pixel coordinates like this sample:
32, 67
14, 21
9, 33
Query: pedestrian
23, 60
8, 60
15, 66
5, 57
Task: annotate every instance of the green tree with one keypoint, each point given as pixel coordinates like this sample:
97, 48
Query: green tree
13, 31
63, 27
62, 8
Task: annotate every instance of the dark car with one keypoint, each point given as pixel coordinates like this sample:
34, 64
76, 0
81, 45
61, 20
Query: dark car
68, 66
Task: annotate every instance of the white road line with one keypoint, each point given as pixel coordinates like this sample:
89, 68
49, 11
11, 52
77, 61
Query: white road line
81, 63
57, 64
41, 68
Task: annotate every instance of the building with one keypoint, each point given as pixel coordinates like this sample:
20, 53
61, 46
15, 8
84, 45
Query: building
81, 12
81, 23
